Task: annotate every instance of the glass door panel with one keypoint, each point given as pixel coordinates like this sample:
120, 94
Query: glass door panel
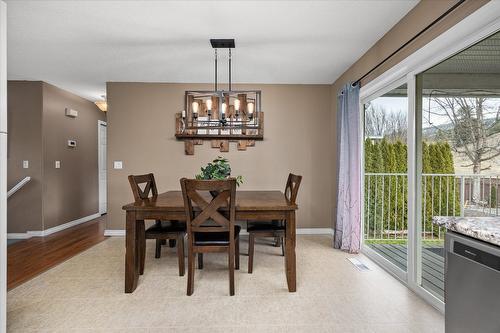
386, 176
459, 103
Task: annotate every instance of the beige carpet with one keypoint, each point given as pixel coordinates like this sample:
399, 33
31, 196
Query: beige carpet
85, 294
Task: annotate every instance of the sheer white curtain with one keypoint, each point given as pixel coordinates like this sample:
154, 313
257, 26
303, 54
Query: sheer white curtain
348, 223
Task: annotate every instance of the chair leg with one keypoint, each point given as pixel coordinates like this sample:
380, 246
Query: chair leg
171, 243
200, 260
142, 249
237, 253
180, 254
190, 282
251, 242
231, 268
277, 241
282, 246
158, 249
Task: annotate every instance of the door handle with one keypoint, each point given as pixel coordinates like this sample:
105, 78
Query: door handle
470, 253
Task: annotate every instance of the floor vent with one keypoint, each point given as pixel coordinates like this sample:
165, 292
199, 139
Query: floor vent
359, 264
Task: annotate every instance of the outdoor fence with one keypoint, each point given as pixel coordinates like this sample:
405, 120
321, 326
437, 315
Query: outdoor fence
386, 202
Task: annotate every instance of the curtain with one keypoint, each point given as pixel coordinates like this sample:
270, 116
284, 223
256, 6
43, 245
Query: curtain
348, 224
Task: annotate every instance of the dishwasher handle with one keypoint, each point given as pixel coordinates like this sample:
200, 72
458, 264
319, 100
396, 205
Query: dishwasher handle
477, 255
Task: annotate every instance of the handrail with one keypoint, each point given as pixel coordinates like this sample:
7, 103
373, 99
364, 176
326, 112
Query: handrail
476, 175
18, 186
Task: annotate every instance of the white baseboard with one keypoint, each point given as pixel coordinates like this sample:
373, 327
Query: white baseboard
46, 232
114, 232
18, 235
300, 231
315, 231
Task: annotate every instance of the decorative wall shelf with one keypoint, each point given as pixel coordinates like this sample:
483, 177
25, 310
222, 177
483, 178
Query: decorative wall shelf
222, 117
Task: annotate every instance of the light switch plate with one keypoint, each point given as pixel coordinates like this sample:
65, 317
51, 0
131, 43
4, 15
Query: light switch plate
58, 164
118, 165
26, 164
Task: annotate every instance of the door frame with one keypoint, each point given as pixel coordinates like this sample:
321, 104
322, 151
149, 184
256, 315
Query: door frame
477, 26
99, 163
3, 167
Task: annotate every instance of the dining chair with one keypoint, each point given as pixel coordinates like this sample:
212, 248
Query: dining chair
275, 229
161, 231
210, 221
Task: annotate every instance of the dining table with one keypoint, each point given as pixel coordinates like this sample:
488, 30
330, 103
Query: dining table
250, 205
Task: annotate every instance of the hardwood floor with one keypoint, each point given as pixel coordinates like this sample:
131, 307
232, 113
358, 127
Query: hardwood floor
31, 257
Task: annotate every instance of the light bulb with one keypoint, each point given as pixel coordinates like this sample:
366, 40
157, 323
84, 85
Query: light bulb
209, 104
183, 113
195, 106
250, 108
224, 106
237, 104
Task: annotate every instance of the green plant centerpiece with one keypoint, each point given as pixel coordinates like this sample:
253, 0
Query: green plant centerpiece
218, 169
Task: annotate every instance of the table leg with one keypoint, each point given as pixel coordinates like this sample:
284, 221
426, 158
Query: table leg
290, 261
132, 252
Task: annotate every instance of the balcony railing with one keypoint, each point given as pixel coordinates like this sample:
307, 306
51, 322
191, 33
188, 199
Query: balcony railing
386, 202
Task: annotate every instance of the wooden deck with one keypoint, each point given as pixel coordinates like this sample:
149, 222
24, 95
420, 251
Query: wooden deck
432, 264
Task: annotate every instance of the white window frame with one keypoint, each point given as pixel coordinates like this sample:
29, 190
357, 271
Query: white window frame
477, 26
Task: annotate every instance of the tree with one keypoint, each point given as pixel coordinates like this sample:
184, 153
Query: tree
379, 122
471, 132
386, 200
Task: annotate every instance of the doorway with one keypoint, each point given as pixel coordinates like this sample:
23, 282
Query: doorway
102, 144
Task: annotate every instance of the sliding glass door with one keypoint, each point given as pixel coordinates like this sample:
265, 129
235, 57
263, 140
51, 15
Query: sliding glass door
431, 148
459, 104
385, 176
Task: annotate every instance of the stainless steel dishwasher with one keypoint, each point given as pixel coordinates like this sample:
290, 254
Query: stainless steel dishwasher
472, 285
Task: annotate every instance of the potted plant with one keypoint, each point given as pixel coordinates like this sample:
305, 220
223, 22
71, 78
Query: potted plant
218, 169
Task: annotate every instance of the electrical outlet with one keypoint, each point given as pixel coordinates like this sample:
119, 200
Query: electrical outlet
58, 164
26, 164
118, 165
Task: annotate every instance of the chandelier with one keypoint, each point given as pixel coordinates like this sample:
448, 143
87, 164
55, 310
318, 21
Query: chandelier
224, 115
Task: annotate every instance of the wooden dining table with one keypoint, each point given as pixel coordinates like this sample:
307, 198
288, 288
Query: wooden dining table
250, 205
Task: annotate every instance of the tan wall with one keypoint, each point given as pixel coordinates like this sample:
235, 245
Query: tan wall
71, 192
297, 117
24, 107
424, 13
38, 132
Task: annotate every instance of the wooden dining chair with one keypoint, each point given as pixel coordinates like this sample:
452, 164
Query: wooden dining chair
161, 231
275, 229
210, 225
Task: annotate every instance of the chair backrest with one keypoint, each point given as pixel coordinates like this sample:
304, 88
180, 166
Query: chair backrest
208, 217
149, 189
292, 187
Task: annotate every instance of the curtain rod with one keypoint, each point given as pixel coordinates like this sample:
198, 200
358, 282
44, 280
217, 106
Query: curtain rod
452, 8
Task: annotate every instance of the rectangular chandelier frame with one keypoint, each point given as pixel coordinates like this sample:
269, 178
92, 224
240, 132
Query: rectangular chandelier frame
233, 115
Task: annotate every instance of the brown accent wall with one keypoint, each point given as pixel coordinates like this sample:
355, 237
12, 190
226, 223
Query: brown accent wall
24, 108
38, 132
297, 125
424, 13
71, 192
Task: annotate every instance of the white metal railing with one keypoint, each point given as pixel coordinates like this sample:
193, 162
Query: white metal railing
386, 204
18, 186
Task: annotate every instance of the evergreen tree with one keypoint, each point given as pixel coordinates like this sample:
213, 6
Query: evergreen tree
386, 205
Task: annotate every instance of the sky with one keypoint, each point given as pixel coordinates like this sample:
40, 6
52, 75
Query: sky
398, 104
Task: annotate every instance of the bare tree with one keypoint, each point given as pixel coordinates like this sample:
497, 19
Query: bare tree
471, 132
381, 123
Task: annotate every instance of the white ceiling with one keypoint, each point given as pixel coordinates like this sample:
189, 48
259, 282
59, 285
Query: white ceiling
79, 45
